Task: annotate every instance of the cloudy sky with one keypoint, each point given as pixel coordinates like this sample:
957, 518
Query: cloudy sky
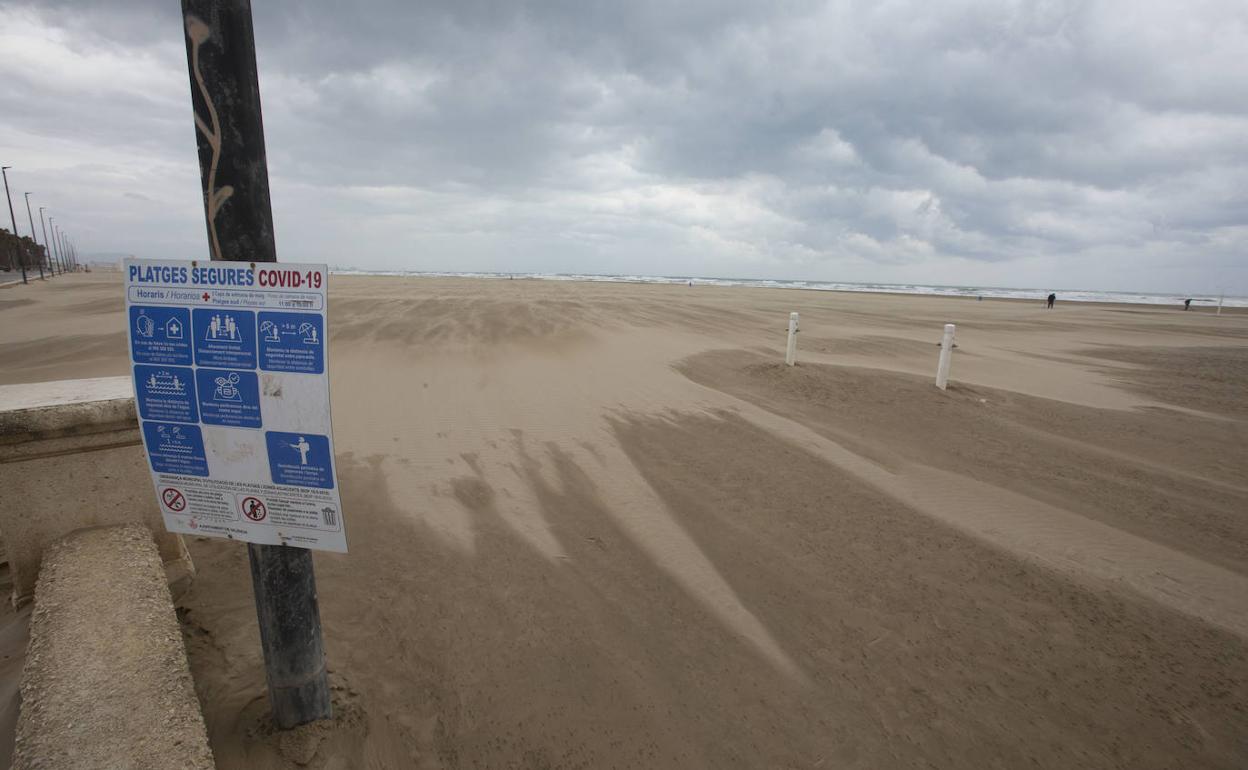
1049, 144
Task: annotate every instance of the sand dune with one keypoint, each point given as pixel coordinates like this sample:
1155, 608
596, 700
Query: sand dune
600, 525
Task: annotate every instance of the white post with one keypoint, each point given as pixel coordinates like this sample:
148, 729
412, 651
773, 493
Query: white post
1220, 299
946, 356
790, 352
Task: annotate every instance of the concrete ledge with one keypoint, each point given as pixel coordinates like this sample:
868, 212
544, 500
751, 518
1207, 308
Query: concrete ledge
106, 682
70, 458
43, 410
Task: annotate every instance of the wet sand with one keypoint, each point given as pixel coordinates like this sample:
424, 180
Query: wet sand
602, 525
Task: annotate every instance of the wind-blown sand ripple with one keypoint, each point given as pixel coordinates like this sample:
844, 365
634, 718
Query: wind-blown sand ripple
597, 525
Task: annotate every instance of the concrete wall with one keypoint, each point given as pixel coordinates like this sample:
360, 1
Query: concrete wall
106, 682
71, 457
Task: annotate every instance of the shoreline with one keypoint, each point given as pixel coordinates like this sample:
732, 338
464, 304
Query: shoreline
1200, 302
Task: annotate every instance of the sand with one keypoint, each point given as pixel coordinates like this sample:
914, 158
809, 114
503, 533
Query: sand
602, 525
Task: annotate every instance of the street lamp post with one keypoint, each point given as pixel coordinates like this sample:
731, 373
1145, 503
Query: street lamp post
56, 249
56, 238
60, 240
34, 237
51, 251
4, 171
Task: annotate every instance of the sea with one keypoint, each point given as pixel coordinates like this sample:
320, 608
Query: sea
987, 292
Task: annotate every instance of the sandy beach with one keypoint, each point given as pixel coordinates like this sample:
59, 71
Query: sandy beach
604, 526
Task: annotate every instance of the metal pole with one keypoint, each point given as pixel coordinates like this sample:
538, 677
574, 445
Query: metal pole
43, 223
35, 237
52, 237
225, 99
56, 235
4, 171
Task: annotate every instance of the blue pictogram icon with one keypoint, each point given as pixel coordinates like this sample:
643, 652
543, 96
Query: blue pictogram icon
229, 397
225, 337
159, 335
173, 448
165, 393
300, 459
292, 342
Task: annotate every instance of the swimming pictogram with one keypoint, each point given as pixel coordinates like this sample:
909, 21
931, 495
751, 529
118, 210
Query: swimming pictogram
166, 383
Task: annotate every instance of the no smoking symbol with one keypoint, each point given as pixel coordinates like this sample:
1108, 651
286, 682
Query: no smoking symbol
253, 508
173, 499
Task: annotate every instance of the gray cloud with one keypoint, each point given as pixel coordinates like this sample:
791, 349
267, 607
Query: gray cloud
1049, 143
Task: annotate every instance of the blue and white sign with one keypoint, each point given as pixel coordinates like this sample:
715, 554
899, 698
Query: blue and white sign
292, 342
230, 363
301, 459
160, 335
165, 393
175, 448
225, 337
229, 397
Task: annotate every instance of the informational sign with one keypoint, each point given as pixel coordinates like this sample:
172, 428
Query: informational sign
231, 379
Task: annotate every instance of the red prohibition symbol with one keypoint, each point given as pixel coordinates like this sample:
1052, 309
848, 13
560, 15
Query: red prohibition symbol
253, 508
173, 499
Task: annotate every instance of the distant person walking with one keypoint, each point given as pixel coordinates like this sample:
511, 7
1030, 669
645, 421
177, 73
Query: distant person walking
1187, 304
1052, 299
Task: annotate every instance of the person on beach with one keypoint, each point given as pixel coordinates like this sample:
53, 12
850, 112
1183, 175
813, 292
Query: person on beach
1187, 304
1052, 299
